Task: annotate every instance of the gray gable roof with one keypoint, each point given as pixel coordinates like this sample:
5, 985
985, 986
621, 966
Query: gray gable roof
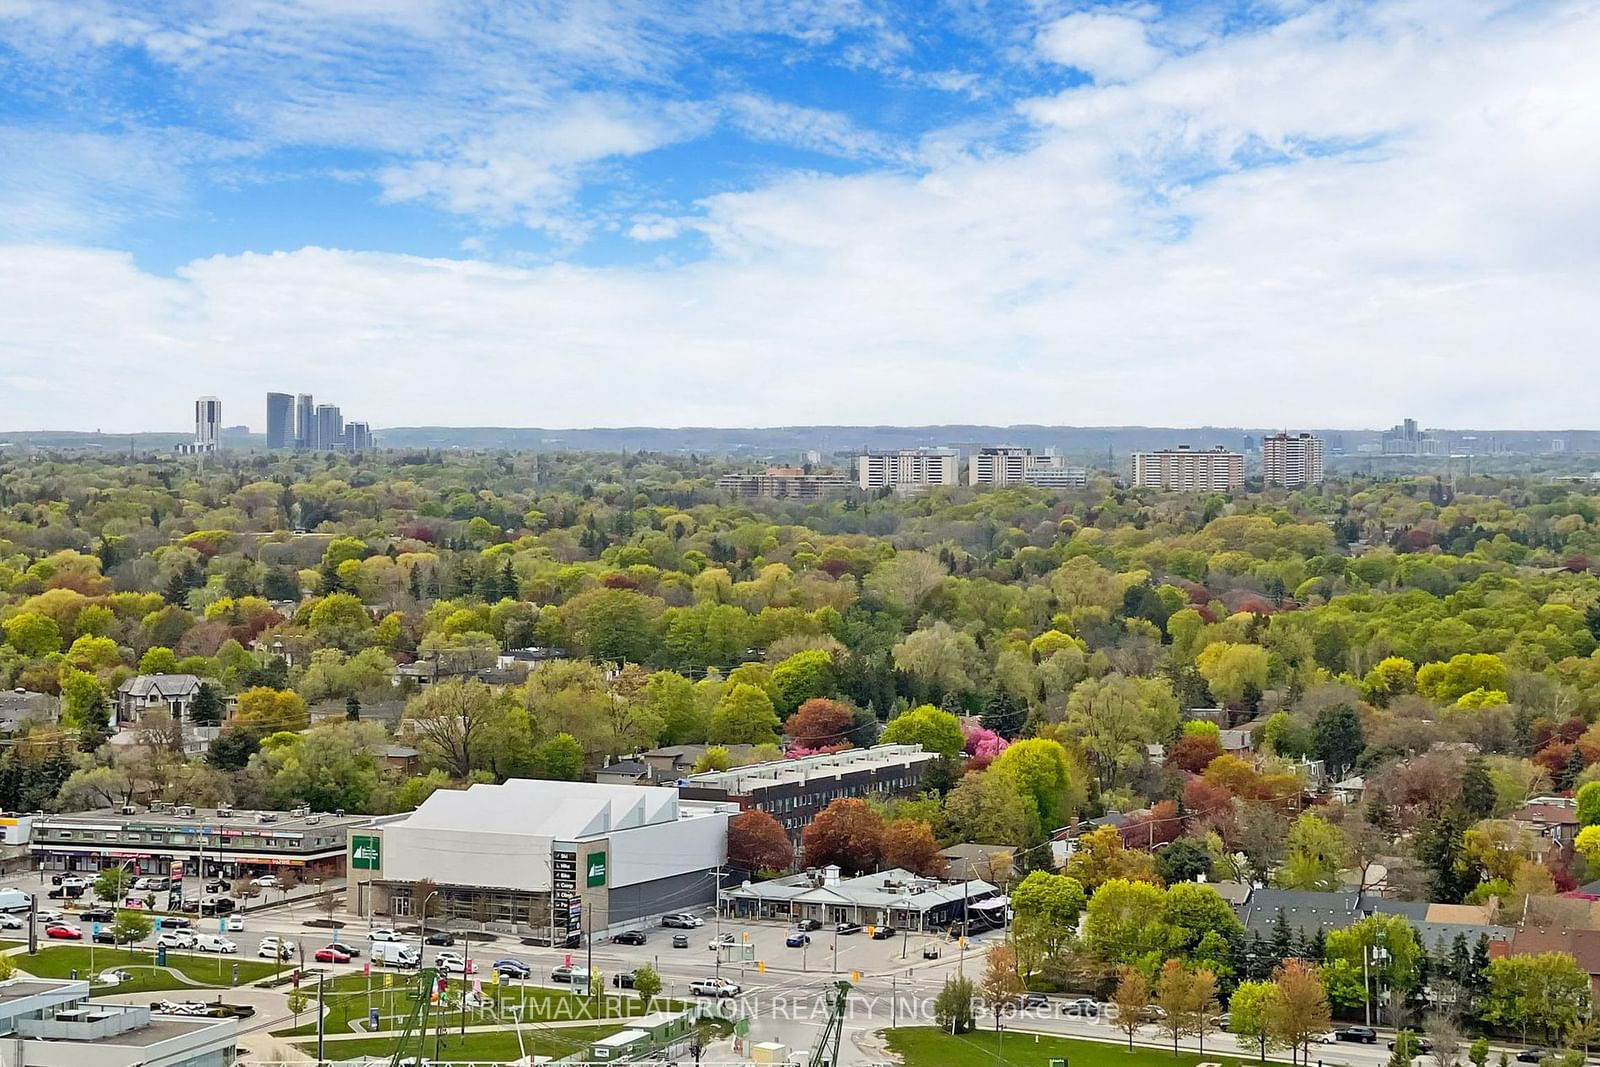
162, 685
1302, 909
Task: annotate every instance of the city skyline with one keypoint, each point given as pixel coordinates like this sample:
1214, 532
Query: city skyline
841, 214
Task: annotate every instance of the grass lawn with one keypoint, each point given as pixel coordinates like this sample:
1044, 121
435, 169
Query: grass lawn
498, 1045
61, 961
346, 1001
925, 1046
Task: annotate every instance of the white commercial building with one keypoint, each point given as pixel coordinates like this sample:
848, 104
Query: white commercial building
1185, 469
1291, 460
48, 1022
207, 424
540, 858
909, 469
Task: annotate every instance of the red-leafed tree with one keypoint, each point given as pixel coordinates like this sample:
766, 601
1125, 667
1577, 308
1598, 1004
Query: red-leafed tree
1208, 806
1193, 752
909, 843
847, 833
1156, 827
819, 723
756, 842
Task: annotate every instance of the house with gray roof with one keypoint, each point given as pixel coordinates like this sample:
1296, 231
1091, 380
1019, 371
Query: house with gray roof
146, 692
19, 705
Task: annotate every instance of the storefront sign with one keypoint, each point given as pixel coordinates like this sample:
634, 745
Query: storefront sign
366, 853
596, 870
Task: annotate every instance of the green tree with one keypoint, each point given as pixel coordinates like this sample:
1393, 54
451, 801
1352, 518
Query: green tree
559, 759
158, 660
451, 722
1588, 798
33, 634
1116, 716
991, 809
341, 619
744, 716
206, 709
1248, 1010
1398, 967
646, 982
1043, 773
1124, 924
1046, 909
1405, 1049
111, 883
953, 1008
1546, 989
1336, 738
670, 697
801, 677
935, 730
131, 927
611, 625
1003, 715
1317, 852
1231, 670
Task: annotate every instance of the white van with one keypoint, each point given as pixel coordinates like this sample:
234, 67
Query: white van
14, 900
394, 954
214, 943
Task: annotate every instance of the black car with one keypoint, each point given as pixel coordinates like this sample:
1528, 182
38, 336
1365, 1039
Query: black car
97, 915
622, 979
629, 937
1419, 1045
66, 892
847, 928
1364, 1034
174, 922
808, 925
1532, 1055
882, 933
105, 937
220, 906
1035, 1000
440, 937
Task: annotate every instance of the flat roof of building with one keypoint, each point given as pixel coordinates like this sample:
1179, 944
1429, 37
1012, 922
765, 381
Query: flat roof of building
885, 889
741, 780
566, 811
18, 988
227, 818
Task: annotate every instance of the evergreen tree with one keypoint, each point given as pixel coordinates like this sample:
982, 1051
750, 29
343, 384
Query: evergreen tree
1282, 937
352, 709
1003, 715
1570, 772
207, 707
1477, 789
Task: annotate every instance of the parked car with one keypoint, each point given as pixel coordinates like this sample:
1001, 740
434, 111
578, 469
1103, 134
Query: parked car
680, 940
66, 892
216, 885
807, 925
329, 954
49, 915
720, 940
439, 937
1421, 1046
1083, 1008
509, 968
562, 975
175, 922
215, 943
104, 936
629, 937
622, 979
847, 928
1365, 1035
11, 922
266, 881
175, 939
930, 951
882, 933
383, 933
217, 906
797, 940
235, 923
451, 963
1532, 1055
63, 932
714, 987
683, 921
70, 879
1034, 1000
89, 915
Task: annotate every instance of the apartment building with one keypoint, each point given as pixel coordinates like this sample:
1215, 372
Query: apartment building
1009, 465
1291, 460
1186, 469
280, 421
908, 469
785, 483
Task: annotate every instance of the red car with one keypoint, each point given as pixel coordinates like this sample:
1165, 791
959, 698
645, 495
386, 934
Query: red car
64, 932
332, 955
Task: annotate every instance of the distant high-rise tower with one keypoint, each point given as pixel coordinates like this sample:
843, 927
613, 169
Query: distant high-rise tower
280, 420
357, 436
329, 428
207, 424
305, 422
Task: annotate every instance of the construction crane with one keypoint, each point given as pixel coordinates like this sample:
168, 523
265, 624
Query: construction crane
826, 1051
419, 1007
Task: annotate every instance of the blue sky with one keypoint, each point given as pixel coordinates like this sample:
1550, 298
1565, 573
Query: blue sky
752, 212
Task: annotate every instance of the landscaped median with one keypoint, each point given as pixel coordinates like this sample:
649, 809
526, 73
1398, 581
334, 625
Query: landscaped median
486, 1045
927, 1046
183, 970
349, 999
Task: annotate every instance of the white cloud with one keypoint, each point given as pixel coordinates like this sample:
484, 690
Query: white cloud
1107, 47
1133, 261
765, 119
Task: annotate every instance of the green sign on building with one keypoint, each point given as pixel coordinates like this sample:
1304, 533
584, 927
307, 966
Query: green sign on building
597, 870
366, 853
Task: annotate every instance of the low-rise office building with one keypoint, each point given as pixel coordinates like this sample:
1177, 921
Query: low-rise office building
53, 1023
199, 842
540, 859
794, 790
1189, 470
894, 898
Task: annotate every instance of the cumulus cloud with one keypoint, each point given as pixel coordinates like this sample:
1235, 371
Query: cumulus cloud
1356, 212
1107, 47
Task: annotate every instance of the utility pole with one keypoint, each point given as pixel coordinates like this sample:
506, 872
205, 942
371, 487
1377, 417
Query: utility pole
321, 978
